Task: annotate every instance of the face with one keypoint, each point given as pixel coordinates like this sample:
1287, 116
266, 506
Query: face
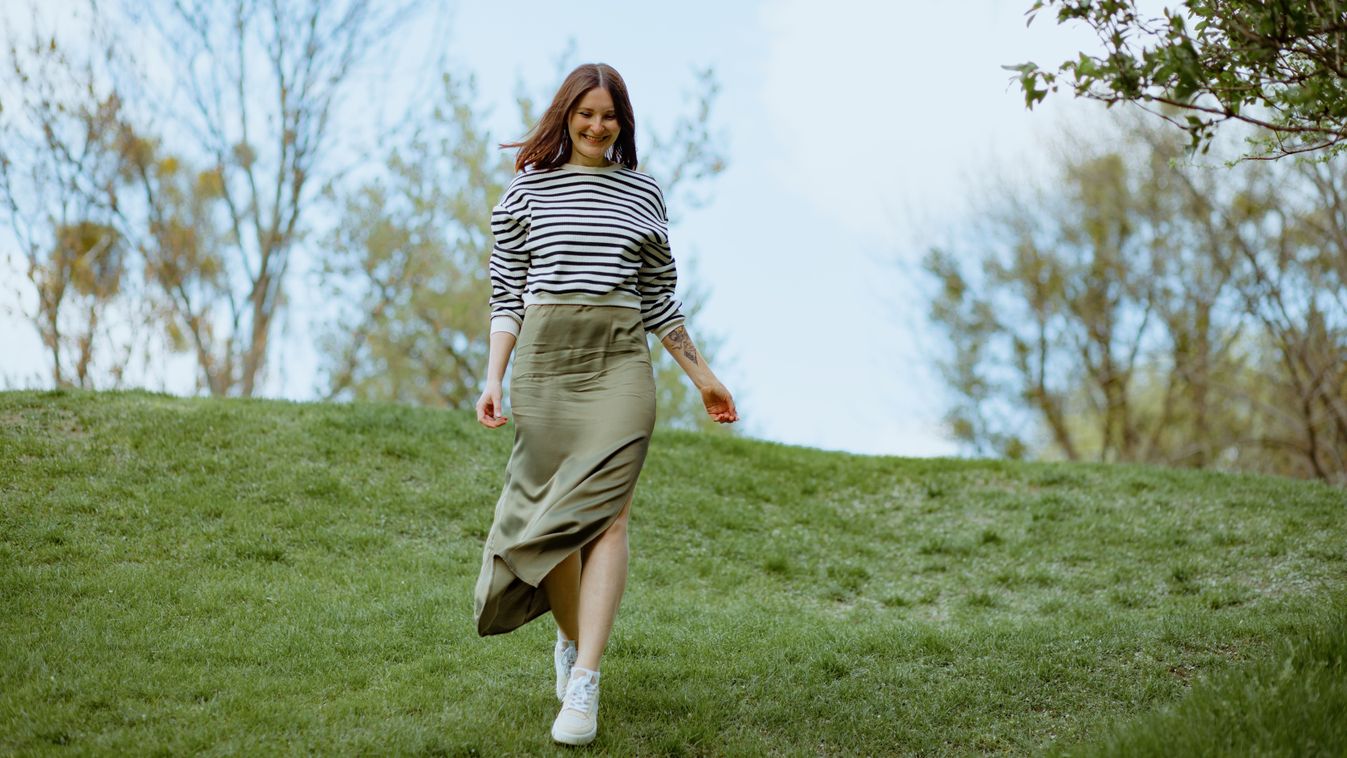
593, 128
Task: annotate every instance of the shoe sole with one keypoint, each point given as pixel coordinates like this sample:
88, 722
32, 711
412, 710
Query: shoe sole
567, 738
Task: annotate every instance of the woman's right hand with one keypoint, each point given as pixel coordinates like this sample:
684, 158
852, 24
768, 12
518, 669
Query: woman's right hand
489, 409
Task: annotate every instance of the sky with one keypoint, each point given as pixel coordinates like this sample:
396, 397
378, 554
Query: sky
854, 133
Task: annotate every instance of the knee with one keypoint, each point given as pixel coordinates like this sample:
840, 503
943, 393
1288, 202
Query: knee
612, 538
618, 529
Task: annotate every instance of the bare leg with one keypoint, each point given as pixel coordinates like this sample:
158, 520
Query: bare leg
603, 578
562, 586
562, 583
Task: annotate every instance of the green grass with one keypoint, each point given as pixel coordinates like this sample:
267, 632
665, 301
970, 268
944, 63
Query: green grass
1293, 703
246, 576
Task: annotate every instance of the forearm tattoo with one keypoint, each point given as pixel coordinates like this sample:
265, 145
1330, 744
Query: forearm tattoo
680, 341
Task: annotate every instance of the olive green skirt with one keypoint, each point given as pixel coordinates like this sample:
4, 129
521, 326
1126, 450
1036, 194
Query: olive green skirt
582, 396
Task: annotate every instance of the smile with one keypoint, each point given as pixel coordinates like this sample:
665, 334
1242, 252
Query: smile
593, 139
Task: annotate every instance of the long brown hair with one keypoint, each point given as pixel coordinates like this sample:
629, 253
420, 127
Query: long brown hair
548, 144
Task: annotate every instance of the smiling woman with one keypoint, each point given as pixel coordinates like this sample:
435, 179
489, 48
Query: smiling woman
581, 271
591, 103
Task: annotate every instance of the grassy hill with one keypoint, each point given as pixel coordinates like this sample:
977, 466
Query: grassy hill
247, 576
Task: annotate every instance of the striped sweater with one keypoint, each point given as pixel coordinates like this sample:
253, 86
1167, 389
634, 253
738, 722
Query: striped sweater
583, 235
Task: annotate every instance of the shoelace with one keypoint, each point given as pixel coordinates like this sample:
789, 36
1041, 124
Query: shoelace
567, 653
580, 694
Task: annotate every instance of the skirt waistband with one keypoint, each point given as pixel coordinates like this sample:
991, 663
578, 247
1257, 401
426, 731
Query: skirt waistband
567, 327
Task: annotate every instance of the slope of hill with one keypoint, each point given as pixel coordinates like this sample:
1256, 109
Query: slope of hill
183, 575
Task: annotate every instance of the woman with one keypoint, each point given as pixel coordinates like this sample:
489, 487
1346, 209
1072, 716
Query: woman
580, 272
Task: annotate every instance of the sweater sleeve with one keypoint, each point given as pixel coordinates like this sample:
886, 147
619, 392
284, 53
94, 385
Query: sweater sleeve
509, 261
657, 278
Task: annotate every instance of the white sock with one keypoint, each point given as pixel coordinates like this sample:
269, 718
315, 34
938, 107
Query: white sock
562, 638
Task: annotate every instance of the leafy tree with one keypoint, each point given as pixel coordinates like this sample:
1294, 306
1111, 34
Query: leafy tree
409, 255
1281, 66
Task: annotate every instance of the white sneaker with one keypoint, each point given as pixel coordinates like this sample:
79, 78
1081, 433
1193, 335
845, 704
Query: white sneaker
563, 657
578, 721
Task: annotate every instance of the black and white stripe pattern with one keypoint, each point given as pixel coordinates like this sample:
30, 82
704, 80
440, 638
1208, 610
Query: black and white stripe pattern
587, 235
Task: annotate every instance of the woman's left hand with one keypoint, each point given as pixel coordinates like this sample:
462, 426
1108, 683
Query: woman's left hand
719, 404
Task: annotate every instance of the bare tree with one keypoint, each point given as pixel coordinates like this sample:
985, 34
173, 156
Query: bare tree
1057, 314
1144, 308
257, 83
59, 169
1287, 237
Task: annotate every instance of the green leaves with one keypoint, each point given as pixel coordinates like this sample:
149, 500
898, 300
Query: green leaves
1283, 59
1030, 76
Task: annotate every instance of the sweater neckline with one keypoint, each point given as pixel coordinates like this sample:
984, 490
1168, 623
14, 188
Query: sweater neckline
610, 168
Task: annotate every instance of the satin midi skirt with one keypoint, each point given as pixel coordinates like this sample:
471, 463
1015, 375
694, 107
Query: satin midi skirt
582, 395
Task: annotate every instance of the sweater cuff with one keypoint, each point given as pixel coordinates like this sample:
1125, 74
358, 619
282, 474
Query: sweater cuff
505, 324
664, 331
